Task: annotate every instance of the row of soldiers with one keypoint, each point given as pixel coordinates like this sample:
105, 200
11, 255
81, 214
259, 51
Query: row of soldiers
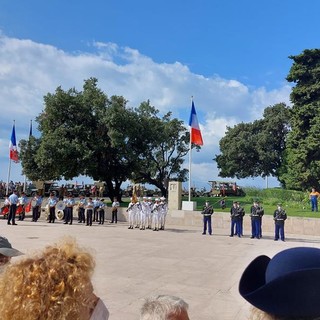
147, 214
256, 213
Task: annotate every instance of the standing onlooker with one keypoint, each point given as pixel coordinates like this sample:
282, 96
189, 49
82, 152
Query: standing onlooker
62, 192
114, 210
314, 195
279, 216
207, 212
13, 201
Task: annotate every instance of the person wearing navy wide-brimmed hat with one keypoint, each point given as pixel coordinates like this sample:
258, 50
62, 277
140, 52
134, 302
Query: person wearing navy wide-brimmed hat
286, 286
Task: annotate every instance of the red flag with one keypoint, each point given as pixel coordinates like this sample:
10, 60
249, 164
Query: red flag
13, 151
195, 134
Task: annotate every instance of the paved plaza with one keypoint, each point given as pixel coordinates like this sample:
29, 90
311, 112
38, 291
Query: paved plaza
134, 264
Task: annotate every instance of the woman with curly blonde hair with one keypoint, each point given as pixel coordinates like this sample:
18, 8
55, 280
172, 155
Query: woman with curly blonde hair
53, 285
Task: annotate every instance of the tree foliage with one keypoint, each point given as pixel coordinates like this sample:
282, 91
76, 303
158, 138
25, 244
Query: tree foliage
256, 148
302, 169
87, 133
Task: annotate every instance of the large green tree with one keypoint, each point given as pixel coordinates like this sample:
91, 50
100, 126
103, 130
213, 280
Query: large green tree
256, 148
302, 163
87, 133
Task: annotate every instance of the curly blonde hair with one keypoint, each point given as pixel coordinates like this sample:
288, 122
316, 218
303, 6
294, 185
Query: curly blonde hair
53, 285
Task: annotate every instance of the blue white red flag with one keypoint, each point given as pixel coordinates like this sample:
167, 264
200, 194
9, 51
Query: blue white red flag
13, 151
195, 134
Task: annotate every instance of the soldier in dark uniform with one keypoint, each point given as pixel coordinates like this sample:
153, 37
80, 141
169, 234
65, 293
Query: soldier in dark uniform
241, 215
256, 213
207, 212
279, 217
235, 220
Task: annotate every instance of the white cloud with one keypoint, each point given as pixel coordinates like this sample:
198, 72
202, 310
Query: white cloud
29, 70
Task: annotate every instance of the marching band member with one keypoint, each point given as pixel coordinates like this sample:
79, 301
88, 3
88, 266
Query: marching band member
115, 205
163, 212
149, 213
131, 213
52, 207
69, 209
95, 209
102, 205
89, 207
81, 210
23, 199
36, 209
155, 211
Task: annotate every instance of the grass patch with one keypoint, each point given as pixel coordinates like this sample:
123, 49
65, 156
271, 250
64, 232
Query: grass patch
296, 203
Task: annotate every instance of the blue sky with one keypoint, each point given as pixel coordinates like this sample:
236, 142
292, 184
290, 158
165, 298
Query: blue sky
232, 56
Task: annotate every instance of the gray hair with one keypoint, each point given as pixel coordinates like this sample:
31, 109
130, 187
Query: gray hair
162, 307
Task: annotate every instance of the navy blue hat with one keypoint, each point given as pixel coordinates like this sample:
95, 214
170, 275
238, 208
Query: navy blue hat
288, 285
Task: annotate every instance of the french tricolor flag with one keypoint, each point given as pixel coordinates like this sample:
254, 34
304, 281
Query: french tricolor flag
13, 151
195, 132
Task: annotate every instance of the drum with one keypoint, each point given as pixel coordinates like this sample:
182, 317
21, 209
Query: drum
28, 206
5, 210
19, 209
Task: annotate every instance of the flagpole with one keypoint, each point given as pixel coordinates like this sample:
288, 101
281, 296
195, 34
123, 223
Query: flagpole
8, 178
190, 159
9, 167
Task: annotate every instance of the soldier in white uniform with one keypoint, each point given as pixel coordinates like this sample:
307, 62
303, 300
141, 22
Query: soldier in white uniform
156, 213
143, 213
137, 216
163, 212
131, 212
149, 213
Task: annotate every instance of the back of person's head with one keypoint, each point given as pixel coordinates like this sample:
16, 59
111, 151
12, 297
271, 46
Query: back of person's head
54, 284
164, 307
